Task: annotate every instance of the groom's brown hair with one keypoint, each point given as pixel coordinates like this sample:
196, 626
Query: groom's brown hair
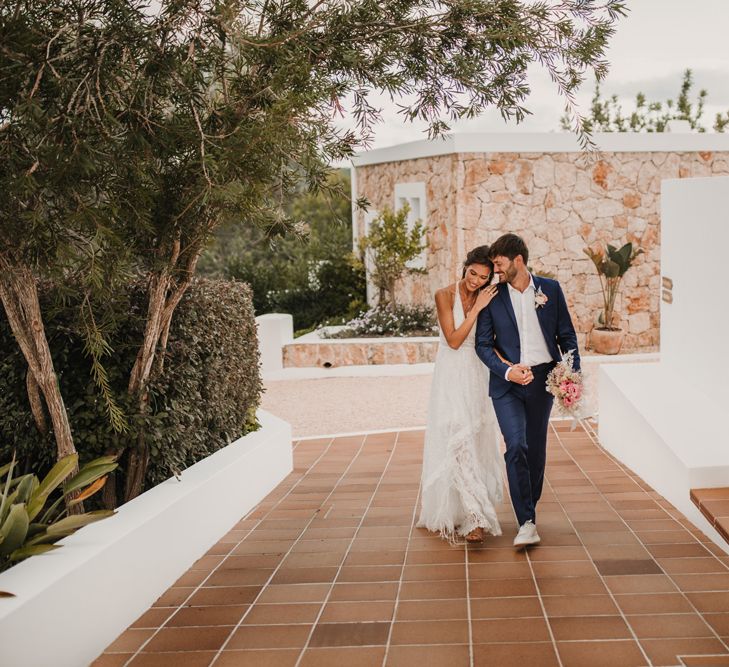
509, 245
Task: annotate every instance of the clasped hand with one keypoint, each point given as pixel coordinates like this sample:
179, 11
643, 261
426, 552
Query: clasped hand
520, 374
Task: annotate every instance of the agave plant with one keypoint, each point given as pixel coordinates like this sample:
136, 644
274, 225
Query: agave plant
29, 523
611, 264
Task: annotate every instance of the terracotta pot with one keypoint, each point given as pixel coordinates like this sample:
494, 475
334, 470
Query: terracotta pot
605, 341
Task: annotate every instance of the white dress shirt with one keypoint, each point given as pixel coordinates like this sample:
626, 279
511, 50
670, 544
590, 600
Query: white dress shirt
534, 349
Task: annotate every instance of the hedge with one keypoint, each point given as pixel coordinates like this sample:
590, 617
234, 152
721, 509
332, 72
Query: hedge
205, 397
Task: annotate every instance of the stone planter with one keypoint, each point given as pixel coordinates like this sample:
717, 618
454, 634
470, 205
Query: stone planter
605, 341
86, 594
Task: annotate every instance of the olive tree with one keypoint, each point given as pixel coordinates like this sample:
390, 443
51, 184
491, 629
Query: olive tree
387, 249
207, 112
62, 70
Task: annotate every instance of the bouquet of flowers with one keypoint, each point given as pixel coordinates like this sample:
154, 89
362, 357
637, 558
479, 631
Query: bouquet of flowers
567, 387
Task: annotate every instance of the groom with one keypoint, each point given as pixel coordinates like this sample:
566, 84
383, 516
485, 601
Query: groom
520, 336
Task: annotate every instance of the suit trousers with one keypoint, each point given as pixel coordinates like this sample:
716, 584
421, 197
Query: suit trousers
523, 415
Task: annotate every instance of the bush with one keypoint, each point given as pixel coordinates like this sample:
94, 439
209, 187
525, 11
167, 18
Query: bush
391, 321
335, 290
205, 397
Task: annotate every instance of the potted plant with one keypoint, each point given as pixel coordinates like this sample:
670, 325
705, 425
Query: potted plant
611, 264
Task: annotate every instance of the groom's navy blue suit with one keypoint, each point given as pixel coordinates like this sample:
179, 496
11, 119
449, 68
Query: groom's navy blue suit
523, 410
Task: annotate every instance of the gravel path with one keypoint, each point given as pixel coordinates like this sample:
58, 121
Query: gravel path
349, 404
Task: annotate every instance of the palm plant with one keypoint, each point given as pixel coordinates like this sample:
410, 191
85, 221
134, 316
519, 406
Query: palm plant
611, 264
29, 523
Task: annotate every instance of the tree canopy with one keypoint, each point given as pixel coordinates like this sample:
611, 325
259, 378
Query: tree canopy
129, 132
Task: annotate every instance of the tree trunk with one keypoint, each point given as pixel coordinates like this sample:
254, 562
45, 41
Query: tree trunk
165, 294
19, 295
159, 366
36, 402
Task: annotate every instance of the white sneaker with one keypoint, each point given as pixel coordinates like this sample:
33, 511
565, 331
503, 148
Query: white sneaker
527, 535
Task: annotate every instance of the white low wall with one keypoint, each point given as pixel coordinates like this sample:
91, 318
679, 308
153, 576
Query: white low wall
274, 331
72, 603
665, 437
695, 319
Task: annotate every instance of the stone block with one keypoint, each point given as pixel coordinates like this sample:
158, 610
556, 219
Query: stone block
608, 207
543, 172
639, 322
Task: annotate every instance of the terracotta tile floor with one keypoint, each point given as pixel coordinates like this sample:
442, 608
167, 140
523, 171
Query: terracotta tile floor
329, 570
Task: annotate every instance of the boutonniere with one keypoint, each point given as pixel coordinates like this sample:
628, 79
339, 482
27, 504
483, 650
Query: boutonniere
540, 298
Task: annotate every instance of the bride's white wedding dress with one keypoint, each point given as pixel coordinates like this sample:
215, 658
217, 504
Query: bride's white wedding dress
462, 481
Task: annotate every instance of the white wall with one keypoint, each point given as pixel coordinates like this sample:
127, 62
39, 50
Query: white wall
544, 142
72, 603
274, 331
694, 246
666, 420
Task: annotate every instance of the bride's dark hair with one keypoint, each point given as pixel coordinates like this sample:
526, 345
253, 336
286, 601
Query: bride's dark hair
479, 255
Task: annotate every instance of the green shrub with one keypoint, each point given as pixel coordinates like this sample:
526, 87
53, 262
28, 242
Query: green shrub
205, 397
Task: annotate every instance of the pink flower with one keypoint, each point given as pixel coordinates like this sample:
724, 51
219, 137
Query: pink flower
566, 385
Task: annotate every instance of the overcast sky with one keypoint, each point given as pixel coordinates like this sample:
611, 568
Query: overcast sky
652, 47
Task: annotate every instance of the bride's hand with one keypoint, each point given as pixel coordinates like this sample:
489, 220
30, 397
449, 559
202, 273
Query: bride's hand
484, 298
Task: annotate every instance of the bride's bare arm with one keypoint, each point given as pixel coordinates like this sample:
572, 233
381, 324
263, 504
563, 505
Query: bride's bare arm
506, 361
444, 299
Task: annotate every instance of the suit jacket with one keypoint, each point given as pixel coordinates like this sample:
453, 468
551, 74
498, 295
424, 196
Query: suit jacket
496, 329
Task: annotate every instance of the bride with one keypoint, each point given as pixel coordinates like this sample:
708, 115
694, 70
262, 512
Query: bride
462, 480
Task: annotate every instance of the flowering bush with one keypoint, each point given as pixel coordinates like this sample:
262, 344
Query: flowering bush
567, 387
397, 321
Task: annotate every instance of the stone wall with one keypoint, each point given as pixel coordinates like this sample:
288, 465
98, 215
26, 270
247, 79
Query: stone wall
559, 202
359, 352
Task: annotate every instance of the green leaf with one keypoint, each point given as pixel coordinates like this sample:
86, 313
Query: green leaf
102, 460
63, 468
51, 513
43, 538
14, 529
33, 550
4, 503
611, 269
72, 523
8, 505
28, 484
87, 476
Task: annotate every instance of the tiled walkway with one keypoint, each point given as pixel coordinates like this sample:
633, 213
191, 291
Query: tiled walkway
329, 570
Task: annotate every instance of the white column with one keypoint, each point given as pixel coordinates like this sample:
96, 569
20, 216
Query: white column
274, 331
